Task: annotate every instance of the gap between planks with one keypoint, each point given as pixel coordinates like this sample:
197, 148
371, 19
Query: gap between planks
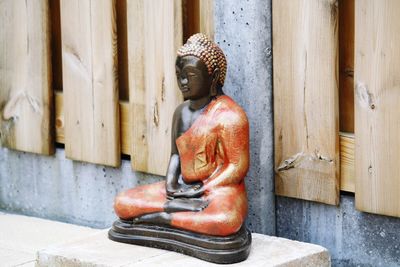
347, 178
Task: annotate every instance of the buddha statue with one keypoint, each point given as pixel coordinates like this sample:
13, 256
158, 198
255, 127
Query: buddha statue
201, 206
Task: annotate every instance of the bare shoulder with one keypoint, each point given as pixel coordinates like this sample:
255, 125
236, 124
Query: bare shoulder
180, 109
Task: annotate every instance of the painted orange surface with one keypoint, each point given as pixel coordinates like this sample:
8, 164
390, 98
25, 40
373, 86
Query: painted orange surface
215, 151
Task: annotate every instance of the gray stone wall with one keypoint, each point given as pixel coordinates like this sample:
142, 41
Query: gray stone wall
61, 189
353, 238
243, 30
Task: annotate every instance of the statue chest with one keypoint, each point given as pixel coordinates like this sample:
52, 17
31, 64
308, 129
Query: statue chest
200, 149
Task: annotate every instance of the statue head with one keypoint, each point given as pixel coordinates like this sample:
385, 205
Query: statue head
200, 68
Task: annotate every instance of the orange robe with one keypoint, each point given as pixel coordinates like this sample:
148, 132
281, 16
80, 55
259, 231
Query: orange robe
214, 150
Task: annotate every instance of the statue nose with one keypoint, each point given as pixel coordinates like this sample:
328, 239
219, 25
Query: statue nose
184, 80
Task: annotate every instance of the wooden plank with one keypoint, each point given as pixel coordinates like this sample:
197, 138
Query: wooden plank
377, 114
56, 57
154, 35
346, 65
122, 50
125, 123
206, 9
347, 172
89, 53
60, 125
305, 45
190, 18
25, 77
198, 16
126, 134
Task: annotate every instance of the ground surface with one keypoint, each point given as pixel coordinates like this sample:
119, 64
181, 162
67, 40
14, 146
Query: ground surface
21, 237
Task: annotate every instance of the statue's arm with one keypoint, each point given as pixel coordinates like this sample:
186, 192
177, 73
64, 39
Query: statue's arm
173, 174
174, 166
234, 142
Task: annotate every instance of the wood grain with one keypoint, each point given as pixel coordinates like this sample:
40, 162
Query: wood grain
25, 77
59, 117
190, 18
206, 17
347, 172
198, 16
56, 54
124, 122
377, 114
154, 35
346, 65
305, 45
122, 50
89, 53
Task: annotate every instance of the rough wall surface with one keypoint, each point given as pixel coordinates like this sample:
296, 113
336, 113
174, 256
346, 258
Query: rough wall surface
243, 30
353, 238
61, 189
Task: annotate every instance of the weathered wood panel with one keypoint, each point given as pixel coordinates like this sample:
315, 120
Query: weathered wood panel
124, 122
25, 76
305, 45
154, 35
346, 65
377, 113
89, 53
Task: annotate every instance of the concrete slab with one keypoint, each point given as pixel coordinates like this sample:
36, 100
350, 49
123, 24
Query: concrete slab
22, 236
98, 250
12, 257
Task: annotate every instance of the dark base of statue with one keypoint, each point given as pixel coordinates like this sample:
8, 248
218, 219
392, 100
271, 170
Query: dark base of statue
229, 249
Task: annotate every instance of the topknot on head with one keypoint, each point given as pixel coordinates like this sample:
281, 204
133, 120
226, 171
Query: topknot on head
200, 46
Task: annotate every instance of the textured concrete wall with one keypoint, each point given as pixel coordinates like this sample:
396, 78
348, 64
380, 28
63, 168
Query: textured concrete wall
82, 193
61, 189
353, 238
243, 30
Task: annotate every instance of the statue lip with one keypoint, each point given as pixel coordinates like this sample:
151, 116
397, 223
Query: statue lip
184, 89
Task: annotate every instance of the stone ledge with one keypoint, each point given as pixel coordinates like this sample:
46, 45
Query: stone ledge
22, 236
98, 250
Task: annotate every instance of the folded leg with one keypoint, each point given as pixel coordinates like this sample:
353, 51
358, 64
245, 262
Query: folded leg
224, 215
140, 200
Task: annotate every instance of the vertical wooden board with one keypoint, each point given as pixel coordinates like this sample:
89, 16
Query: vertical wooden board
346, 65
89, 53
122, 51
377, 113
347, 172
305, 45
154, 35
25, 77
206, 9
198, 16
56, 61
190, 18
59, 117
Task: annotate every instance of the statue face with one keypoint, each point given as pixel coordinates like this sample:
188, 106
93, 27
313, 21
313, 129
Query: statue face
193, 78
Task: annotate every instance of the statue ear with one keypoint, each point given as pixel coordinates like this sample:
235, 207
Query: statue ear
214, 82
